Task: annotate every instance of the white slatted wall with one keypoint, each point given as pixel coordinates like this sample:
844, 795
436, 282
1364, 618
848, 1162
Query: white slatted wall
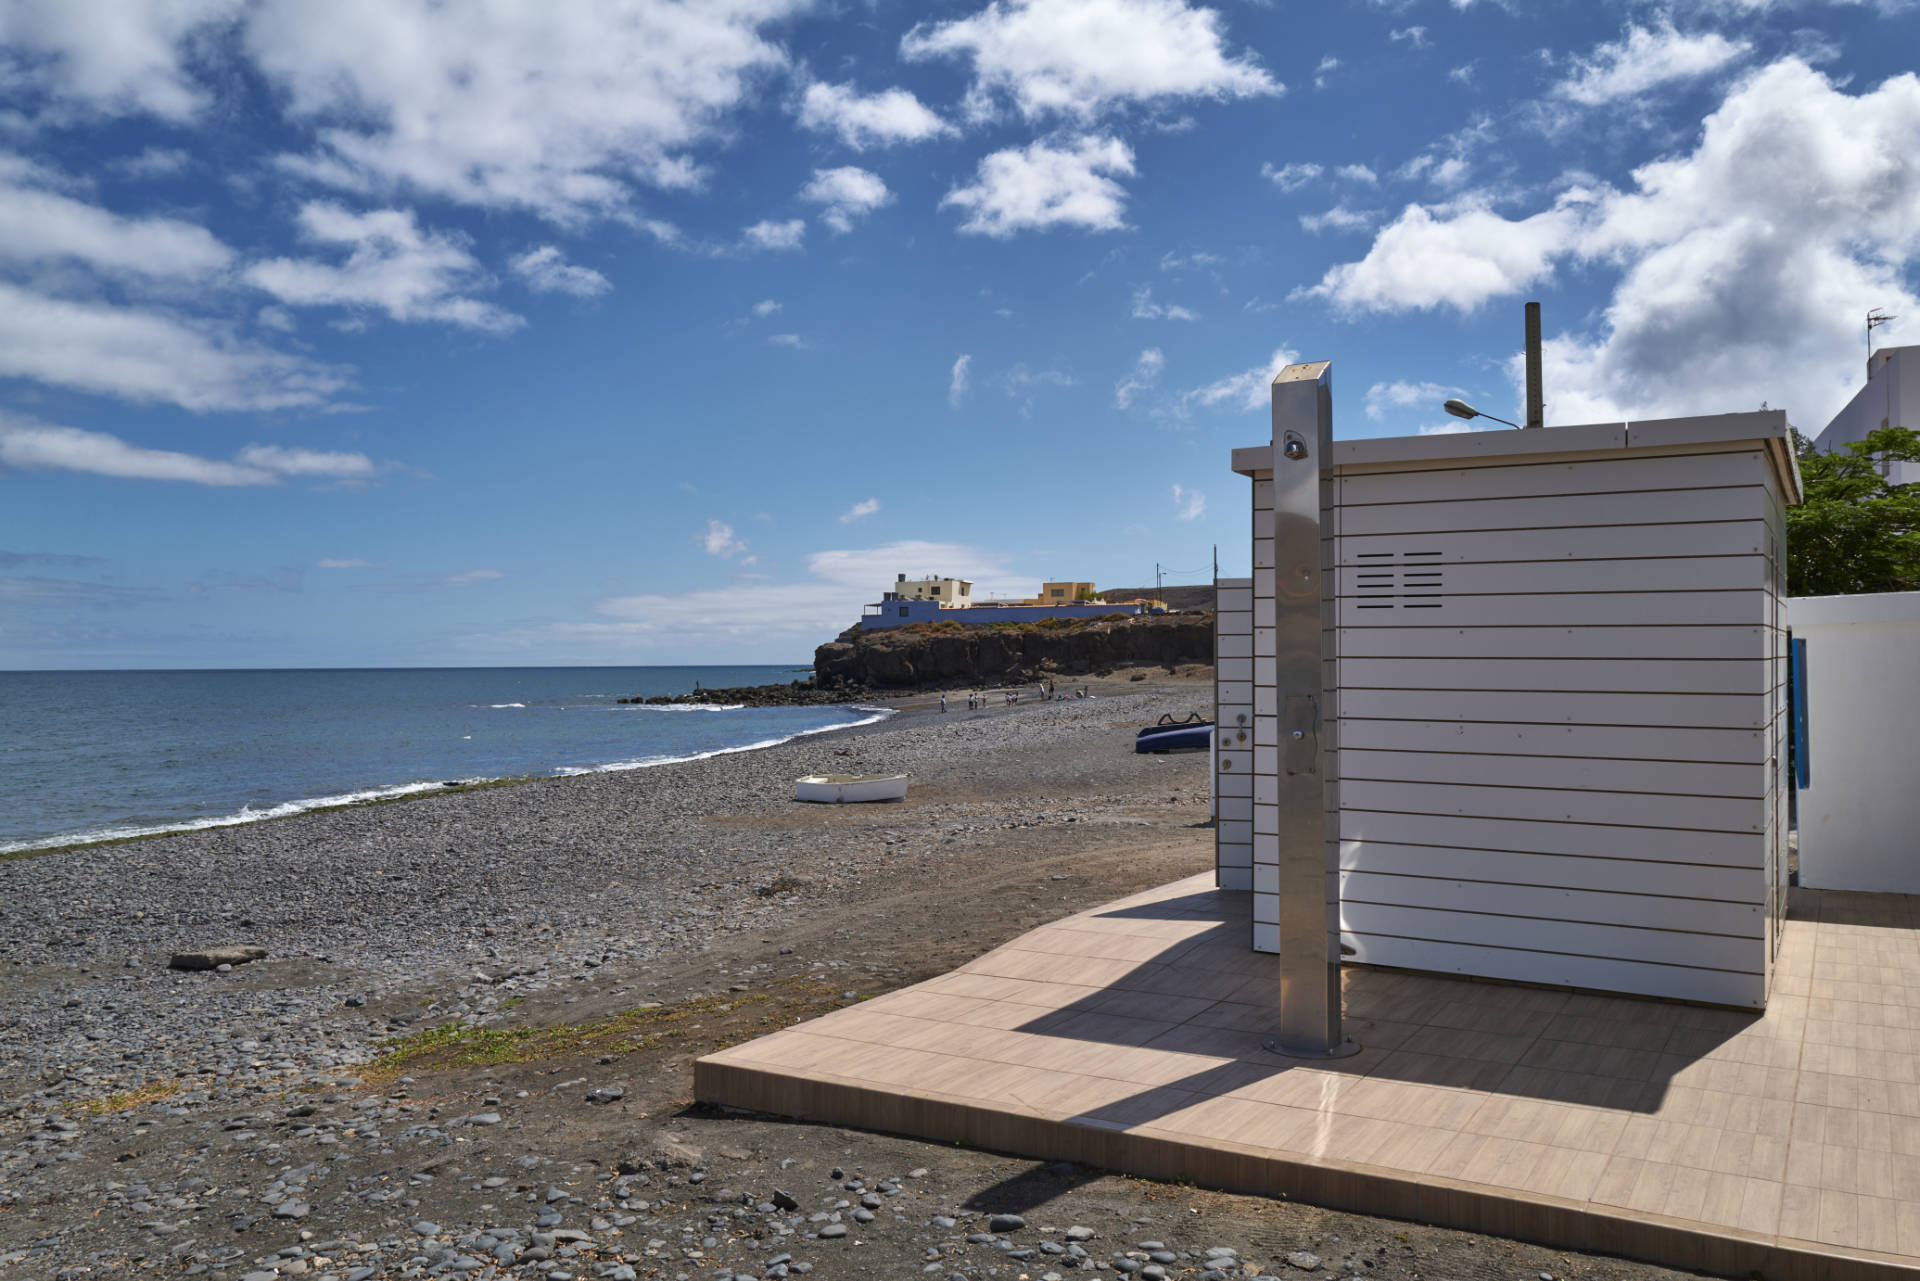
1556, 708
1233, 733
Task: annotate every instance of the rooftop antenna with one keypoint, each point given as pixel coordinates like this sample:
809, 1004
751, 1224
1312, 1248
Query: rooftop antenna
1875, 318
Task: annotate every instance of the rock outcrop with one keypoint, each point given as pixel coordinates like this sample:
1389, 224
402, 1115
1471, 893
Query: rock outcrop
942, 653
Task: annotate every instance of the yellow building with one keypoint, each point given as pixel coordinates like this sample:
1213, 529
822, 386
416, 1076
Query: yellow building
948, 591
1064, 593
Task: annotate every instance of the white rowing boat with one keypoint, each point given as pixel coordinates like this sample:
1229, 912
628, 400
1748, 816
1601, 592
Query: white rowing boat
840, 789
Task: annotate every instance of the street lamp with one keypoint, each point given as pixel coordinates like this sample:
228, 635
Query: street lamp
1461, 409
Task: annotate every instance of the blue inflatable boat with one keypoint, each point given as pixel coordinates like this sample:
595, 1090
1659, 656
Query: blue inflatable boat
1192, 734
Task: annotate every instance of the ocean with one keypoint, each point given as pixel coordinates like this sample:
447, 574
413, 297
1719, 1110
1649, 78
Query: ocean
96, 755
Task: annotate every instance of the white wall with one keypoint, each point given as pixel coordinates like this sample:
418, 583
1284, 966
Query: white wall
1891, 397
1233, 735
1860, 813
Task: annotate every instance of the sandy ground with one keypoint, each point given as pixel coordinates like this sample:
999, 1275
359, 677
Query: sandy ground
549, 1130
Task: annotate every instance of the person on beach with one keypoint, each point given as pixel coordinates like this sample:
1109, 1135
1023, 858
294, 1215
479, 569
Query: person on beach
943, 704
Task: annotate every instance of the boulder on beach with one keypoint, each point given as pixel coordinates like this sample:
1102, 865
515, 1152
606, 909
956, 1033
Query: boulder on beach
213, 958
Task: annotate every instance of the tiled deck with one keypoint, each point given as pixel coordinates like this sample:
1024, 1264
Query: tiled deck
1129, 1037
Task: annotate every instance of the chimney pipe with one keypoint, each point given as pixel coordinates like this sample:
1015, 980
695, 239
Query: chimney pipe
1536, 405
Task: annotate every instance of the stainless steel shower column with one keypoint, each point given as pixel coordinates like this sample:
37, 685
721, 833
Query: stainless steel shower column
1309, 872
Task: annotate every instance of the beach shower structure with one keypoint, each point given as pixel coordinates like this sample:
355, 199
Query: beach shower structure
1508, 704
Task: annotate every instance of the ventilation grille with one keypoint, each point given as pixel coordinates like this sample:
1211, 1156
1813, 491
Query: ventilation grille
1400, 580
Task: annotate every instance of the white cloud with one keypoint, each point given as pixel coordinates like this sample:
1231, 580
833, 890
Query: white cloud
720, 540
469, 577
1145, 308
1290, 177
1383, 397
559, 109
391, 266
1646, 58
348, 562
547, 270
151, 357
1414, 36
795, 341
1323, 74
41, 226
770, 235
307, 462
1189, 504
1145, 375
1460, 259
1041, 186
1463, 74
1081, 58
860, 511
764, 308
108, 57
1339, 218
874, 120
1745, 263
154, 162
1357, 173
1248, 390
845, 195
1449, 162
959, 381
37, 446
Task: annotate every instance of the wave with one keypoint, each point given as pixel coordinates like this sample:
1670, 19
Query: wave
247, 814
287, 809
682, 707
506, 704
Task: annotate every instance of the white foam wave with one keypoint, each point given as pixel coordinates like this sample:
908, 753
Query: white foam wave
648, 762
247, 814
506, 704
683, 707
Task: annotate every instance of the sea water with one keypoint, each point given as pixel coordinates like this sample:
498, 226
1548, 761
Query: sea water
96, 755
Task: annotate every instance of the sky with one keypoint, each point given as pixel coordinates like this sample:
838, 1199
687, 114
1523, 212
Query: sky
398, 333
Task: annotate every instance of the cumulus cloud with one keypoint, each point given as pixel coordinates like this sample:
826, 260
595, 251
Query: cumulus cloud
872, 120
1189, 504
1744, 263
1045, 185
720, 541
845, 195
1248, 390
1290, 177
795, 341
1323, 74
153, 162
547, 270
43, 226
1413, 36
860, 511
774, 236
1357, 173
1645, 59
151, 356
764, 308
391, 266
1339, 218
1145, 375
557, 109
959, 381
36, 446
108, 57
1145, 308
1383, 398
1081, 58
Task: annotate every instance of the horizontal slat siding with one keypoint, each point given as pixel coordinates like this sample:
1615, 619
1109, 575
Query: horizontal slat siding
1591, 907
1593, 476
1605, 542
1557, 577
1708, 951
1734, 503
1745, 676
1706, 711
1556, 642
1735, 885
1717, 987
1593, 840
1556, 805
1627, 742
1607, 775
1598, 609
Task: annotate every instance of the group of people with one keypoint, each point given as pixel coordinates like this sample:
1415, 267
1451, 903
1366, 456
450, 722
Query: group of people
977, 699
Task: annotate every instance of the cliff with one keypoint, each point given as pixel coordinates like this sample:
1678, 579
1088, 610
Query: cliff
948, 653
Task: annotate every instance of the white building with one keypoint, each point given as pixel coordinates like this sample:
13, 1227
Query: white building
1891, 398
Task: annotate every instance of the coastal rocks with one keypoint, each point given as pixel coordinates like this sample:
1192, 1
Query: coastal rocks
214, 957
795, 694
949, 653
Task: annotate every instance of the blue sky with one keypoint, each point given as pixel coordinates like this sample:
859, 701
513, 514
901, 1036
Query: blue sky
382, 332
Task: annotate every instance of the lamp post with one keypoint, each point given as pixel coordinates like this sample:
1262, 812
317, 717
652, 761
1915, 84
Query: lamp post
1461, 409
